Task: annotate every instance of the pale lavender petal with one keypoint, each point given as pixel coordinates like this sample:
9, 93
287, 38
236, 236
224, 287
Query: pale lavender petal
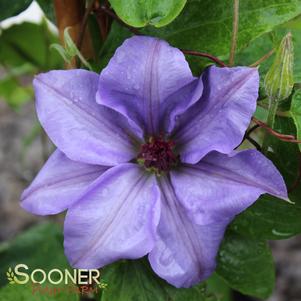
116, 219
220, 118
59, 184
84, 130
185, 252
178, 102
141, 82
224, 185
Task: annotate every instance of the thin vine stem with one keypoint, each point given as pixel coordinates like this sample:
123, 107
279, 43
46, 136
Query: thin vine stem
206, 55
263, 58
282, 137
234, 32
83, 25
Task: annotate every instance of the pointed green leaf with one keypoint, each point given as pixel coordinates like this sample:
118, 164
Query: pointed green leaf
206, 26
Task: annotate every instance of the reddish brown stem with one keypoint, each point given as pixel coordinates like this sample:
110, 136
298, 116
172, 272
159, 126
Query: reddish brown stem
204, 54
283, 137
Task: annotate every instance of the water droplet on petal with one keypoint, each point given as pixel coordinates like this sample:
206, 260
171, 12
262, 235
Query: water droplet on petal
104, 192
120, 56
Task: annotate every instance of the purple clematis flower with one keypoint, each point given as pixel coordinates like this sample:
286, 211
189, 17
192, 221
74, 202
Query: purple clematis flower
145, 162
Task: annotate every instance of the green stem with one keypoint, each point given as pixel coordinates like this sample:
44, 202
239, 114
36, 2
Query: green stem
270, 122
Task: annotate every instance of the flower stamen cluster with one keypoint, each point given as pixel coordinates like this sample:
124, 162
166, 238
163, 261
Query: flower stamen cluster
157, 155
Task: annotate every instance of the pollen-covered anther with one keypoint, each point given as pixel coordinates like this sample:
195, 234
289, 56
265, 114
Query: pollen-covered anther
158, 155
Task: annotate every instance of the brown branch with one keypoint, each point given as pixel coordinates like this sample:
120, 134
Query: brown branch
204, 54
262, 59
283, 137
102, 19
70, 13
83, 25
234, 32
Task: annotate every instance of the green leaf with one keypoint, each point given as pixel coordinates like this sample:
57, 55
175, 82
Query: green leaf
33, 248
285, 155
10, 8
257, 49
134, 280
246, 265
15, 50
14, 93
143, 12
219, 288
206, 26
48, 9
269, 218
296, 112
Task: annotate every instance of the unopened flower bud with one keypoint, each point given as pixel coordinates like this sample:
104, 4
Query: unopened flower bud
279, 80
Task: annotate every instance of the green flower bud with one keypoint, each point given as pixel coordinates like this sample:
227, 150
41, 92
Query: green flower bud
279, 80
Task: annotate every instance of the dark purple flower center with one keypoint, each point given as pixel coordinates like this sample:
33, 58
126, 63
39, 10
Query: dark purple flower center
158, 155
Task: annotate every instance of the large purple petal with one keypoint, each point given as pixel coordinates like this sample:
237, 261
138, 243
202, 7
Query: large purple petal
59, 184
219, 119
78, 126
116, 219
185, 252
145, 81
224, 185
